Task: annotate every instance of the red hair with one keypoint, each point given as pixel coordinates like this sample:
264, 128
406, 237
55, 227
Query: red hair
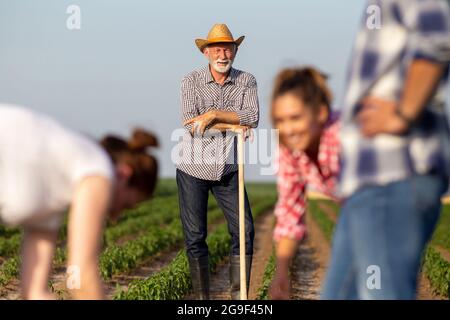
134, 154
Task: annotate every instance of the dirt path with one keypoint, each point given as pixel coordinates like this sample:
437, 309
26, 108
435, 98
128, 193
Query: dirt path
263, 247
11, 291
58, 278
310, 263
329, 211
425, 291
219, 280
445, 254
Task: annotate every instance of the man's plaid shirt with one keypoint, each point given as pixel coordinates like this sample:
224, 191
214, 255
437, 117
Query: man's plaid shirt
214, 155
410, 29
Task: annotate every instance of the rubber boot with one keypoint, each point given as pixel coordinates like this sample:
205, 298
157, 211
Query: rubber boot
235, 279
199, 268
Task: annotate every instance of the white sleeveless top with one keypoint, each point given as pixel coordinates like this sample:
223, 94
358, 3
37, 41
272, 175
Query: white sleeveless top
41, 163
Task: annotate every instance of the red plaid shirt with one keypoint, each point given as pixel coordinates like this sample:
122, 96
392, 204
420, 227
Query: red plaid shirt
297, 173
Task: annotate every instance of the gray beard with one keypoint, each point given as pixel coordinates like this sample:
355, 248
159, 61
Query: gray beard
221, 69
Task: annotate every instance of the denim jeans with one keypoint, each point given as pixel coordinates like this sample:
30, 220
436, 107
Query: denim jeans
379, 239
193, 200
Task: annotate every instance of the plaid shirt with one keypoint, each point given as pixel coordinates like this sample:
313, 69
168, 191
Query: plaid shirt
297, 173
215, 154
410, 29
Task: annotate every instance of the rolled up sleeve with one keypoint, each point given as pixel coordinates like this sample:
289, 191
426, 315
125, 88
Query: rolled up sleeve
249, 114
291, 205
431, 30
188, 107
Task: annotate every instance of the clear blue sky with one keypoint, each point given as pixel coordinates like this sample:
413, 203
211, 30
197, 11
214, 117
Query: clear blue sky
123, 68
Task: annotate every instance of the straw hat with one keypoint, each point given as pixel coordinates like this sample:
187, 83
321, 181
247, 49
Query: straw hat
218, 33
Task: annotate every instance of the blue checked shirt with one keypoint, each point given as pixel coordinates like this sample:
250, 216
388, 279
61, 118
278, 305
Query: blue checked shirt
215, 154
410, 29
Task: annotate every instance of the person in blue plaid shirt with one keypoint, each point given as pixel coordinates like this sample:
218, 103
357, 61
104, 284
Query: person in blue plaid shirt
395, 150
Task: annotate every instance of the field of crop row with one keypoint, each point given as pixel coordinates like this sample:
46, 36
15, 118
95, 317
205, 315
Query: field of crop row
142, 233
152, 232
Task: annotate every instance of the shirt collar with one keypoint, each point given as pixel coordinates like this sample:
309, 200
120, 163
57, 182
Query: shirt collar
209, 78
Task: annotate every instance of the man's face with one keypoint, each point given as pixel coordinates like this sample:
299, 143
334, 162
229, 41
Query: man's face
220, 56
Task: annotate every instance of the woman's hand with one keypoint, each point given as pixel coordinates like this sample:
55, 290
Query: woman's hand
285, 251
280, 288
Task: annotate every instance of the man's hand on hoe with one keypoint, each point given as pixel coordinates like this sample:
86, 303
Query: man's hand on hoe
206, 121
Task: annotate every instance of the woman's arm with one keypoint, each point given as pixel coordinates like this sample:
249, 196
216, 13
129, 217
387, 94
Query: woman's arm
90, 205
285, 250
37, 255
290, 227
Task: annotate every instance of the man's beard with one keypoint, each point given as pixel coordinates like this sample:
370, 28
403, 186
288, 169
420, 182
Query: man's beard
219, 67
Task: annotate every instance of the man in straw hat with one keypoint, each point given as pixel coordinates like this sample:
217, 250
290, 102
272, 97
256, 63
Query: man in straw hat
216, 96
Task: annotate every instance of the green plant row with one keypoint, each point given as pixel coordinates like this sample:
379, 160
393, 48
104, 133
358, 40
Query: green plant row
166, 187
148, 215
10, 246
6, 232
437, 270
155, 211
441, 236
159, 212
155, 205
9, 270
173, 281
11, 238
118, 259
269, 272
142, 218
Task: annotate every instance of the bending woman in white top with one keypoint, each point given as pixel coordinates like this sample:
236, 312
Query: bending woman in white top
45, 168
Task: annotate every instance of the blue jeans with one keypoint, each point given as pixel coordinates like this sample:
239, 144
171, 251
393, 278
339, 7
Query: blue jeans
379, 239
193, 200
